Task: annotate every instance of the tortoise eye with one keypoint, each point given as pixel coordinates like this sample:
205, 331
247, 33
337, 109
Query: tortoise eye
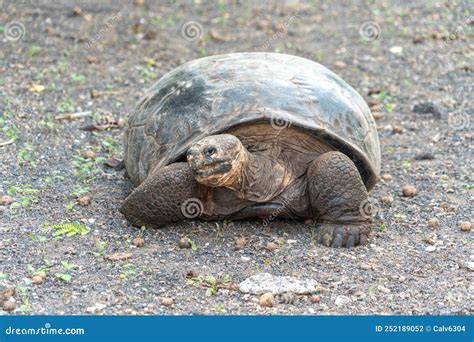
209, 151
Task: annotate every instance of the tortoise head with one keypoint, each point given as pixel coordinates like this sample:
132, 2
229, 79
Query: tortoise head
217, 160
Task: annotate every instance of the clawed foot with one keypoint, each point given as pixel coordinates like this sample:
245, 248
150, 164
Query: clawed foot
343, 235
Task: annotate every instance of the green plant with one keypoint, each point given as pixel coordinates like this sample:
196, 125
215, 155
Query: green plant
70, 229
26, 155
63, 276
382, 227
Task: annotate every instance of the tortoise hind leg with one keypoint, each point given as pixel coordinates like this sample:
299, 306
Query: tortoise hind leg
337, 194
165, 196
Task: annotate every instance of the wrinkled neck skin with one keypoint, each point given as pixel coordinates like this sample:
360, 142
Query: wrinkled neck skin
257, 177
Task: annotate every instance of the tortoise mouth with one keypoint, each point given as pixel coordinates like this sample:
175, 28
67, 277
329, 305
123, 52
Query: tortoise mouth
212, 169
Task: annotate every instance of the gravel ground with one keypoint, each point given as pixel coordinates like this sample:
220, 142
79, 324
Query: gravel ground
413, 63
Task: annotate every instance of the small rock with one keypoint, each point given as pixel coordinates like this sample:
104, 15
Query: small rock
465, 226
89, 154
6, 200
430, 248
469, 265
418, 39
93, 60
388, 200
94, 94
427, 108
386, 177
377, 115
37, 280
396, 49
77, 11
138, 2
308, 221
97, 307
138, 242
340, 65
119, 256
409, 191
265, 282
433, 222
424, 156
271, 246
9, 306
383, 289
245, 259
184, 243
342, 300
166, 301
240, 242
315, 299
84, 200
112, 162
397, 129
267, 299
7, 293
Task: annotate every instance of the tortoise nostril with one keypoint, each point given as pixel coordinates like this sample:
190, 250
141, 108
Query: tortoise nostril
209, 151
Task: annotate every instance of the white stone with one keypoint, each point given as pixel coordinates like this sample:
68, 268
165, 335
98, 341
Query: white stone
265, 282
342, 300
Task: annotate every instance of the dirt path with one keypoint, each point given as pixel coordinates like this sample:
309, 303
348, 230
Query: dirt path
96, 60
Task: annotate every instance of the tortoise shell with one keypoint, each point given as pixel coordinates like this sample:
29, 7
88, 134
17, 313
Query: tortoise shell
211, 95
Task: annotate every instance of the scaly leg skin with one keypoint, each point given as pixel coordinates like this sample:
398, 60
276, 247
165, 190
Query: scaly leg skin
336, 192
159, 200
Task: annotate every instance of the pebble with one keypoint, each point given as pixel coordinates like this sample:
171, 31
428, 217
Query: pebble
430, 248
84, 200
340, 65
466, 226
240, 242
409, 191
388, 200
9, 306
138, 242
245, 259
166, 301
383, 289
6, 200
37, 280
267, 299
342, 300
271, 246
427, 108
89, 154
387, 177
315, 299
184, 243
308, 221
397, 129
433, 222
265, 282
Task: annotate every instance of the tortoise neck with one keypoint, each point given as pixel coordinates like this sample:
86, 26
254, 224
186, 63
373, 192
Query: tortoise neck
260, 179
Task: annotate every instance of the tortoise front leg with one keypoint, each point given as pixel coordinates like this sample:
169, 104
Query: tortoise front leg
165, 196
336, 193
